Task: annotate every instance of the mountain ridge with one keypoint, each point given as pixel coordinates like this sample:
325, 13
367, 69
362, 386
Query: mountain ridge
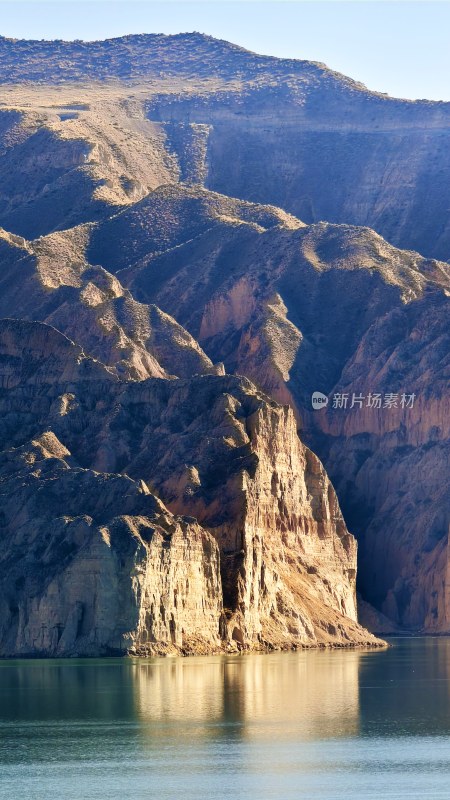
220, 47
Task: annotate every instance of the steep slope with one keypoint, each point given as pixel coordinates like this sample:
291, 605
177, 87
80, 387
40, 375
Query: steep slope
393, 465
94, 564
112, 234
211, 446
336, 309
50, 280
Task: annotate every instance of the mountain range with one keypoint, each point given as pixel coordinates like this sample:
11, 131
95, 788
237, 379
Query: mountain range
194, 239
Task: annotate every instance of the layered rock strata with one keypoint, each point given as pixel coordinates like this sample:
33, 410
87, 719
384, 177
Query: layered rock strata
84, 457
121, 228
93, 564
338, 310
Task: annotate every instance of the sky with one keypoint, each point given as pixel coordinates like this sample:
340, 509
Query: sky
401, 47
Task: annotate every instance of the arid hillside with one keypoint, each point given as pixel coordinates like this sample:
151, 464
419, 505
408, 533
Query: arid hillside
193, 240
125, 115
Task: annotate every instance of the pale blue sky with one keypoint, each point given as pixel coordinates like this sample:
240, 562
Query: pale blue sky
402, 47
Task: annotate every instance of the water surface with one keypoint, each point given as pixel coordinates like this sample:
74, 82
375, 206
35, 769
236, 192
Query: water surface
322, 725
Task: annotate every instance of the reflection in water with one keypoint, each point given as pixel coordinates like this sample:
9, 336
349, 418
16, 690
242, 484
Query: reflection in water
307, 694
51, 691
322, 725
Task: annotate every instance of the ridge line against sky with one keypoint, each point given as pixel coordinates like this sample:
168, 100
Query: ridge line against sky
394, 46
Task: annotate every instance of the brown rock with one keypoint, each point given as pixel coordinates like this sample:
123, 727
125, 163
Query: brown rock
92, 564
338, 310
211, 447
50, 280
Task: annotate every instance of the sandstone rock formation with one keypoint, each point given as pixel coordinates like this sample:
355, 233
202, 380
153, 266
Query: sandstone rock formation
89, 453
336, 309
163, 214
93, 564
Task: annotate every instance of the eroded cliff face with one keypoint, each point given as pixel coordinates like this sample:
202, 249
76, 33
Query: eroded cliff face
297, 553
295, 308
394, 462
263, 558
338, 310
286, 552
94, 564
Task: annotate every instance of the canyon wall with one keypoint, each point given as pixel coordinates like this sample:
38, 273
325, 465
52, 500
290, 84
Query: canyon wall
163, 215
336, 309
159, 516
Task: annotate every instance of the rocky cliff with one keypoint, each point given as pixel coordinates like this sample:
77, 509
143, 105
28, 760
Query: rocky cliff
395, 462
162, 238
336, 309
94, 564
256, 556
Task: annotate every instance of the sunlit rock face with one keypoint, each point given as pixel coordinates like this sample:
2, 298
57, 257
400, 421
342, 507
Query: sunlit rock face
336, 309
94, 564
286, 553
262, 559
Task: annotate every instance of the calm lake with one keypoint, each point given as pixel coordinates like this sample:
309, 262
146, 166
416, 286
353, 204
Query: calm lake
320, 725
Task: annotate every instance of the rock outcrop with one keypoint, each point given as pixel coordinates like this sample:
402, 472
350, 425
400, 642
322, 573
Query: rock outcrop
212, 448
337, 309
93, 564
